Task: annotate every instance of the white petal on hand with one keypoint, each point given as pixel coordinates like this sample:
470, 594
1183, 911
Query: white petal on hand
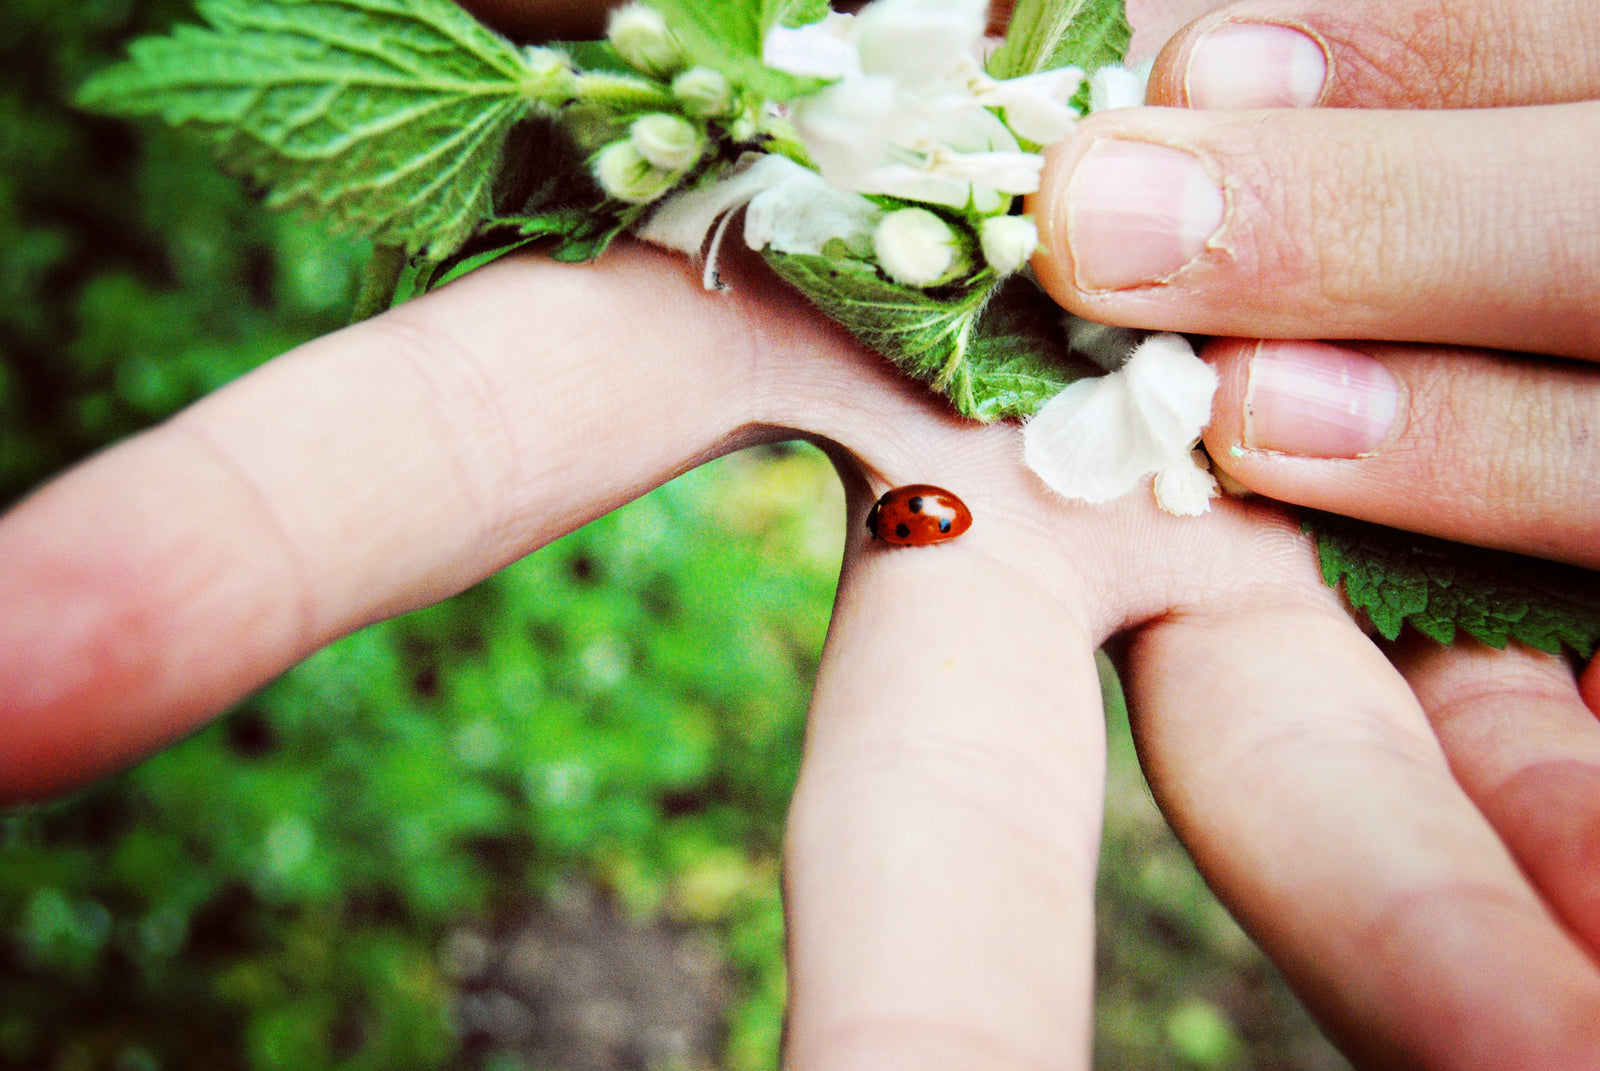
1096, 440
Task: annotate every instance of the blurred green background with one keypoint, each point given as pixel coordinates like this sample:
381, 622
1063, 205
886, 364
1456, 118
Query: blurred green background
535, 827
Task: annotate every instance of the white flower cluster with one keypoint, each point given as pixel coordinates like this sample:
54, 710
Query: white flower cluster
909, 115
669, 113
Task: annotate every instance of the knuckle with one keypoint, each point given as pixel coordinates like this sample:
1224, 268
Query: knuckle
1429, 54
1509, 442
461, 413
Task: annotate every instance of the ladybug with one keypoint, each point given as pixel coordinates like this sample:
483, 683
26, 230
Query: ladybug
918, 514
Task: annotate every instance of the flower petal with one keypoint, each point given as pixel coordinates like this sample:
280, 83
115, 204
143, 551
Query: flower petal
850, 127
919, 41
1185, 489
791, 209
1115, 86
1037, 106
1096, 440
818, 50
802, 213
683, 220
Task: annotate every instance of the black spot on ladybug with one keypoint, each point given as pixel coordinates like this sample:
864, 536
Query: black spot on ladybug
914, 503
944, 525
902, 530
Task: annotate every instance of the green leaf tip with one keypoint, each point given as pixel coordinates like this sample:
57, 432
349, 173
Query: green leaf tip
1442, 589
386, 118
1046, 34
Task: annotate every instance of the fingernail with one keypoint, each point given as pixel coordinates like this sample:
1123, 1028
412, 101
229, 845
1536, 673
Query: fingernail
1314, 400
1240, 65
1138, 212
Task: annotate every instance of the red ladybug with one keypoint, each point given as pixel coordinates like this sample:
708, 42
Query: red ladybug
918, 514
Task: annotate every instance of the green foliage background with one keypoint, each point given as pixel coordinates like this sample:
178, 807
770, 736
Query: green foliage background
622, 709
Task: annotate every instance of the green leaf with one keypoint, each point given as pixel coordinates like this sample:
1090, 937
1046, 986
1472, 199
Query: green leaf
1442, 588
582, 236
995, 350
543, 191
1045, 34
727, 35
385, 117
791, 13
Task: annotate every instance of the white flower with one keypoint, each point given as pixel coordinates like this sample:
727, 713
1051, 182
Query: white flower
1096, 440
668, 141
789, 208
642, 38
801, 213
912, 113
917, 248
1036, 105
823, 49
1008, 242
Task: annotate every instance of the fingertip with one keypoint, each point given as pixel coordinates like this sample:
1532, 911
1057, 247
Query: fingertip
1230, 358
1126, 209
1052, 261
1166, 86
1589, 686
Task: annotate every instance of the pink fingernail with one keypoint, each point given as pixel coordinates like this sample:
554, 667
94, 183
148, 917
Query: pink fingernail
1314, 400
1240, 65
1138, 212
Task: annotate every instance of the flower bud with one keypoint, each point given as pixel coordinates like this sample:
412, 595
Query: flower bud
703, 93
642, 38
670, 142
1008, 242
744, 128
917, 248
626, 175
550, 75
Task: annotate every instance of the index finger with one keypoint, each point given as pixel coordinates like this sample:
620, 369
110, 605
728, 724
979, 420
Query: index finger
370, 472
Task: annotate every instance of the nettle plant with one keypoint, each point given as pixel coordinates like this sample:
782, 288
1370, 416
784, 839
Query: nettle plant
876, 162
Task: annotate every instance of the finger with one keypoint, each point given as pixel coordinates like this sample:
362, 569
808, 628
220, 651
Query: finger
1382, 54
1298, 769
1527, 750
1470, 445
944, 833
379, 469
1332, 223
